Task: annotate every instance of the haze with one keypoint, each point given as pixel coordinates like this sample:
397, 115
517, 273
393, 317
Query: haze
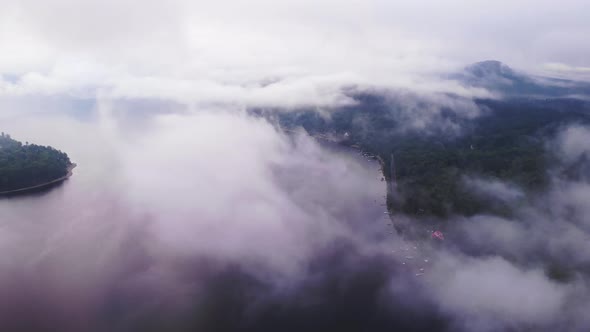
193, 209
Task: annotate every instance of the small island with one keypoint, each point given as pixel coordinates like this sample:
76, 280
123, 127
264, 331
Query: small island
29, 167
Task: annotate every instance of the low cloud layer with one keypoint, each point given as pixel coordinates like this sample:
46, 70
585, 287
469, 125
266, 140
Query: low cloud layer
188, 213
528, 269
491, 294
154, 217
219, 221
297, 53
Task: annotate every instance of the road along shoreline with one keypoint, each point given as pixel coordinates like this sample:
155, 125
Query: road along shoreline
40, 186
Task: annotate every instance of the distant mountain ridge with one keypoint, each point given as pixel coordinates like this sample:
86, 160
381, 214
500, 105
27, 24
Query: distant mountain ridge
498, 77
505, 142
490, 68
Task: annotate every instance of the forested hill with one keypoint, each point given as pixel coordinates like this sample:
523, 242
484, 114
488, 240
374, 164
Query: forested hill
506, 142
27, 165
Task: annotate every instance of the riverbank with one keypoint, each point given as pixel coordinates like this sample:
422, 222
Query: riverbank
40, 186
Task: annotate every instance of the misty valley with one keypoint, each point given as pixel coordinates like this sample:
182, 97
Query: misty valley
393, 209
294, 166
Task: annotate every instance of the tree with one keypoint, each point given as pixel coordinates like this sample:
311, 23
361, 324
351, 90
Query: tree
29, 165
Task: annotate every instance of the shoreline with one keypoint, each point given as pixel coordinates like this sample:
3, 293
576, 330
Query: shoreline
41, 186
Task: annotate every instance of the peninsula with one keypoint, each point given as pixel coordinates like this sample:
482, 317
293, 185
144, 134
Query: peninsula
27, 167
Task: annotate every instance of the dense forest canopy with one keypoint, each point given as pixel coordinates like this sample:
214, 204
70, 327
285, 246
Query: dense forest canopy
506, 142
27, 165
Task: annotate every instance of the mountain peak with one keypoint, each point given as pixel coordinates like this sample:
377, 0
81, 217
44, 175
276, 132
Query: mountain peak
489, 68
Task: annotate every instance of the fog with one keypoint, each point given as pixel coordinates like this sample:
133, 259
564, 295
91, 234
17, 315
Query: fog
148, 219
188, 213
289, 54
217, 220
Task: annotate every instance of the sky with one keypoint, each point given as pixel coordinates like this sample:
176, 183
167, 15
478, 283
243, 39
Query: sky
273, 53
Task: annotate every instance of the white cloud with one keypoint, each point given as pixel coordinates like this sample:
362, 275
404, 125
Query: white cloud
211, 50
492, 294
494, 189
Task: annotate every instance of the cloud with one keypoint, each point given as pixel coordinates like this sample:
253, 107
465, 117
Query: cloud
174, 214
187, 213
525, 268
143, 225
491, 294
571, 145
494, 189
226, 51
561, 68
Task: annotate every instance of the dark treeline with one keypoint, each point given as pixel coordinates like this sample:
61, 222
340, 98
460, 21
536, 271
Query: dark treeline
508, 141
26, 165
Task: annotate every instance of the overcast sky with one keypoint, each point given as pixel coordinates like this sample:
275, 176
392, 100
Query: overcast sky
220, 50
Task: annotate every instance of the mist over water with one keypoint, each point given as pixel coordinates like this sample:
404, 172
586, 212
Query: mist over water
188, 213
186, 221
219, 221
